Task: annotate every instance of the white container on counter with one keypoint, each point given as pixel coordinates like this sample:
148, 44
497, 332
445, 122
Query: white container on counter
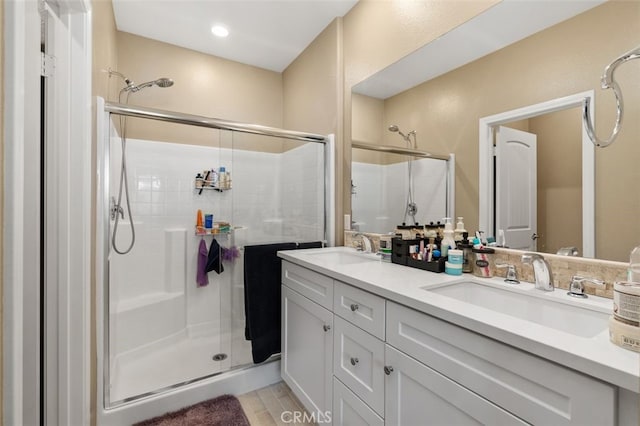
626, 302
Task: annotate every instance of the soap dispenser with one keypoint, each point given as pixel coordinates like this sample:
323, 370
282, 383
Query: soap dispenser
447, 239
459, 229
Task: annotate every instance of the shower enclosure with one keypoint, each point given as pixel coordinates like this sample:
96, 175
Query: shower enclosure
160, 332
380, 183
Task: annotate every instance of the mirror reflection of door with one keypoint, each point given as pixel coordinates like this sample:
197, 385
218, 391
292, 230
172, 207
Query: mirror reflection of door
558, 197
516, 187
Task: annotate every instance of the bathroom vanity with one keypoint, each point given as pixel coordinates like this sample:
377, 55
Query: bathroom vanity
367, 342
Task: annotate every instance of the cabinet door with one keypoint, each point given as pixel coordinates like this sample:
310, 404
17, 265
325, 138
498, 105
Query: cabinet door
307, 351
358, 362
349, 410
418, 395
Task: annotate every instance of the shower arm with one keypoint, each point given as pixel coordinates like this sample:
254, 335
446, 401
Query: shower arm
608, 82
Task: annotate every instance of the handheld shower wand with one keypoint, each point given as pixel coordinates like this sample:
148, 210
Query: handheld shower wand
607, 82
412, 207
116, 207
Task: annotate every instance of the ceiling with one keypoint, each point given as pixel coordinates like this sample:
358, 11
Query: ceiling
268, 34
501, 25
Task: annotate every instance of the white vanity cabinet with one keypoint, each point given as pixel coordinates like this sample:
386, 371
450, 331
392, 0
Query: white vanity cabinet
533, 389
389, 364
307, 351
418, 395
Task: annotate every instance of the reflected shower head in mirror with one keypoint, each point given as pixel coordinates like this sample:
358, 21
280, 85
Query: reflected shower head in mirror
607, 82
407, 138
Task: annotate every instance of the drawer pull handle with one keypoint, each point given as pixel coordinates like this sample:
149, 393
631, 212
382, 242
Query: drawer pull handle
354, 361
326, 327
354, 307
388, 370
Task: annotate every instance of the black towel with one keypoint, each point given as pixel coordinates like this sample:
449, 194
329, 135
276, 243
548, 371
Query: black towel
214, 260
262, 269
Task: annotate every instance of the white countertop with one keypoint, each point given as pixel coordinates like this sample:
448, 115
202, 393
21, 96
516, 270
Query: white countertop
595, 356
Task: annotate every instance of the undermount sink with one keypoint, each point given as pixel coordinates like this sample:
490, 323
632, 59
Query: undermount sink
342, 257
569, 318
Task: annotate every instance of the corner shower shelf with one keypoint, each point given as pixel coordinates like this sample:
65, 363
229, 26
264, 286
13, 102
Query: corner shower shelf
212, 188
208, 232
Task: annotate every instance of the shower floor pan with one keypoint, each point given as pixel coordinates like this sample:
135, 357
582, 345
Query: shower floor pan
188, 359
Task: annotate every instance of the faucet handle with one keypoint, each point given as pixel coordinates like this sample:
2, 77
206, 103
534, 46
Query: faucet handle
512, 275
576, 288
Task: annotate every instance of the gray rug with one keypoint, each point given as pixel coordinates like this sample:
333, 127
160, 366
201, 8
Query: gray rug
224, 410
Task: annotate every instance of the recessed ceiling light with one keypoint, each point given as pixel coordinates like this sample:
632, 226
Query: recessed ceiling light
219, 31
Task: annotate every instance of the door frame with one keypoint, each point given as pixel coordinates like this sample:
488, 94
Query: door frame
66, 267
486, 150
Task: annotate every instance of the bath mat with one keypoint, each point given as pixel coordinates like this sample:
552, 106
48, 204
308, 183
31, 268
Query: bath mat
224, 410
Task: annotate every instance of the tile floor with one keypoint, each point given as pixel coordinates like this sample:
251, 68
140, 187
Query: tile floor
271, 405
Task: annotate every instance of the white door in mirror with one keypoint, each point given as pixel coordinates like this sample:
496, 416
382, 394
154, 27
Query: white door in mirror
516, 187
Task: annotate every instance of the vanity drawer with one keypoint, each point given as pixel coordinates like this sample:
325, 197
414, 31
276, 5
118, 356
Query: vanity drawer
349, 410
358, 361
313, 285
363, 309
536, 390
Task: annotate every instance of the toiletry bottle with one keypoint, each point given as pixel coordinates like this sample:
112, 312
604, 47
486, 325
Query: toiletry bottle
459, 230
467, 254
447, 239
199, 181
222, 171
634, 265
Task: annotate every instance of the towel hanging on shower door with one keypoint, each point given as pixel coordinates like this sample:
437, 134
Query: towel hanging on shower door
201, 274
262, 296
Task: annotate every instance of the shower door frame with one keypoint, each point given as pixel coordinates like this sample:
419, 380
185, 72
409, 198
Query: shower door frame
105, 109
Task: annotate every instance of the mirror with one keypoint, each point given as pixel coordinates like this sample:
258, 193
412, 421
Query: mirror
391, 189
561, 57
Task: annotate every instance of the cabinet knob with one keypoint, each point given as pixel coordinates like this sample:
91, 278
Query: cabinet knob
354, 361
326, 327
354, 307
388, 370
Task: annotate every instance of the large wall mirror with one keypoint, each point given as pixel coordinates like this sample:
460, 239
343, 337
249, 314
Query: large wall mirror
514, 55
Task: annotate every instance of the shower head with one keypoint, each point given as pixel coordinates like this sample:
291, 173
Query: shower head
395, 129
161, 82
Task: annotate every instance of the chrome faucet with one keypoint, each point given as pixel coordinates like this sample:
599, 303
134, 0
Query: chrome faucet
576, 288
541, 271
365, 244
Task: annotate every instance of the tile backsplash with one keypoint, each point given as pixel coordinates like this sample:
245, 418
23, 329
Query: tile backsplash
562, 267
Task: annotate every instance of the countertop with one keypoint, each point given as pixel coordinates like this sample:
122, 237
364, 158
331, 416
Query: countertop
595, 356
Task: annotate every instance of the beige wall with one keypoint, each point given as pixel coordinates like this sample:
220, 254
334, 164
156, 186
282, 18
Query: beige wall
204, 85
312, 88
565, 59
